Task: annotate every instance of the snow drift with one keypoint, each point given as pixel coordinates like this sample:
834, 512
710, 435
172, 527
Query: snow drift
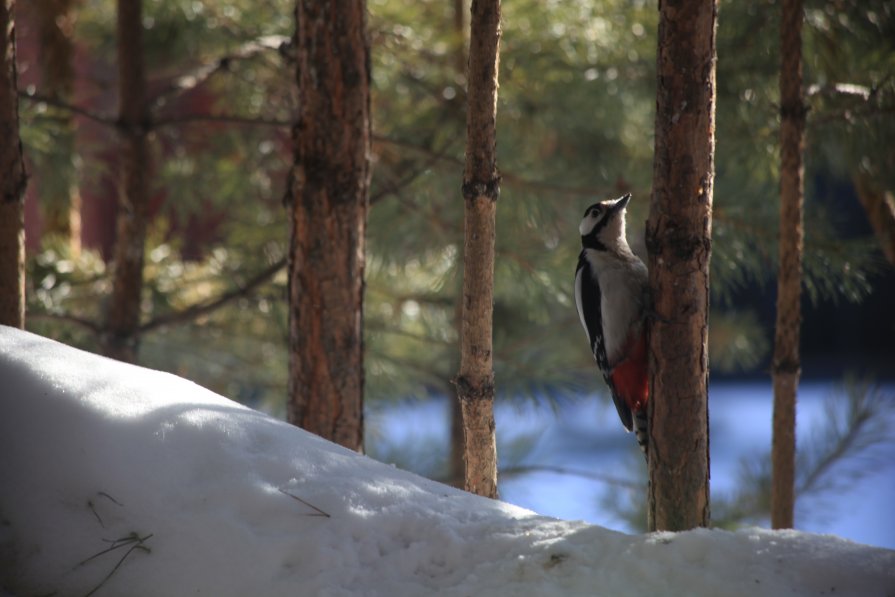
118, 480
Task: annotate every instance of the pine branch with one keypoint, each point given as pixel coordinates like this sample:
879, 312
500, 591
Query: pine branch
195, 311
525, 469
87, 324
417, 370
508, 178
164, 121
204, 72
57, 102
837, 452
177, 317
839, 442
374, 326
175, 120
432, 299
396, 187
849, 115
864, 102
846, 439
841, 89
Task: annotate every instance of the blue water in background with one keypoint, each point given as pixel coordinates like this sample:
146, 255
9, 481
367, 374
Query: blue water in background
586, 435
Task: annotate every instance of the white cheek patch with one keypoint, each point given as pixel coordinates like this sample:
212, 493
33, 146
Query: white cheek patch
587, 224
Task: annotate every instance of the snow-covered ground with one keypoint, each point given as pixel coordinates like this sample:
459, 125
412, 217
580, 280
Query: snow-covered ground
118, 480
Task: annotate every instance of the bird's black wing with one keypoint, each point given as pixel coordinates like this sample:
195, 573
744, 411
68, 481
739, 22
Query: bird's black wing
587, 293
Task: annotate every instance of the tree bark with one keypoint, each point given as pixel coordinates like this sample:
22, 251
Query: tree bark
329, 197
786, 366
12, 181
678, 235
481, 188
121, 334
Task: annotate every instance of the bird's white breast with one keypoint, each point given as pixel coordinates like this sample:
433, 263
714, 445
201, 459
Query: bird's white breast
623, 281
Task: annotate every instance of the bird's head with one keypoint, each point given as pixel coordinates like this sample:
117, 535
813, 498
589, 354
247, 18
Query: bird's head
603, 225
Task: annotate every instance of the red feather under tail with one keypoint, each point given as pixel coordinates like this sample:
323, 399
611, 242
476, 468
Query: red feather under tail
631, 380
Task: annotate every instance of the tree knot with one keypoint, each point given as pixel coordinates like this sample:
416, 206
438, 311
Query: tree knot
471, 392
787, 366
796, 110
473, 189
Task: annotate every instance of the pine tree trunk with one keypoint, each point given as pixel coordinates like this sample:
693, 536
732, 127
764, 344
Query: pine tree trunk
61, 206
121, 334
12, 182
329, 199
679, 245
786, 367
481, 188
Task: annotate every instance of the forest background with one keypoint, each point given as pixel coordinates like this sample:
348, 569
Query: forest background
575, 124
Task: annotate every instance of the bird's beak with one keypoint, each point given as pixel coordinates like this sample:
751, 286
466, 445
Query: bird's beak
621, 202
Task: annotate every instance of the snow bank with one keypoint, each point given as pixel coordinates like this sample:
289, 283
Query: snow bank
125, 481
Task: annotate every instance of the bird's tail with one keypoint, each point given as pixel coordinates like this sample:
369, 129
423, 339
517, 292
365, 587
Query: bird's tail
641, 431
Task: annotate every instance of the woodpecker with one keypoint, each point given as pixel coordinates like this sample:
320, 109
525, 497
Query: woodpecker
612, 295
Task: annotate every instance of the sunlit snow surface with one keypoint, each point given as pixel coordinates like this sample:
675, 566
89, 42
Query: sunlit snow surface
205, 496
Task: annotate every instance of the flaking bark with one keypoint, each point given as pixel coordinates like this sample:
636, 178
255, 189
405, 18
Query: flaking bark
12, 181
481, 188
786, 365
678, 235
328, 200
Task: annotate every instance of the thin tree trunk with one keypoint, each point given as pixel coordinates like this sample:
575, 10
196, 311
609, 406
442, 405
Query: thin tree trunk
121, 334
481, 188
679, 245
61, 205
329, 197
12, 181
786, 367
